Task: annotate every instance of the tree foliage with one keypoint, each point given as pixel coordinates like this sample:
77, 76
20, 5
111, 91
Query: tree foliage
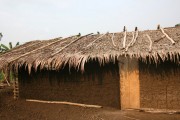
177, 25
4, 48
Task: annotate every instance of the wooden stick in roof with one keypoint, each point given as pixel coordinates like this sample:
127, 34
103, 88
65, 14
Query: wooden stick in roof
70, 43
136, 36
125, 34
96, 39
15, 49
133, 39
113, 40
44, 47
150, 46
34, 51
90, 44
165, 34
158, 26
129, 45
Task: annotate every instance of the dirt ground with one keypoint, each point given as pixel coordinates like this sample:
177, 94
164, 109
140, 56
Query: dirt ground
22, 110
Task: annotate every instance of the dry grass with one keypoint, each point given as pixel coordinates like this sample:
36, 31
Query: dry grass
103, 50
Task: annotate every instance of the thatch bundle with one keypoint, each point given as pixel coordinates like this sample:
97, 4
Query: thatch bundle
75, 51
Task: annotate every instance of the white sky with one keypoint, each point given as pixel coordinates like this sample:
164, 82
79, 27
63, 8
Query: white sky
26, 20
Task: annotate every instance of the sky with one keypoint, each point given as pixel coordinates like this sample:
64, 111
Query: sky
27, 20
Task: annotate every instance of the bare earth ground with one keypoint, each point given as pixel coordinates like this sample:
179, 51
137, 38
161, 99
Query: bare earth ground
22, 110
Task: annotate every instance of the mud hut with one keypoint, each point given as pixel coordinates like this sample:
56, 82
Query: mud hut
138, 69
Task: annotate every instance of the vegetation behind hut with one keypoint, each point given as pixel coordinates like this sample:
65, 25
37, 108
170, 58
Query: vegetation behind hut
177, 25
6, 74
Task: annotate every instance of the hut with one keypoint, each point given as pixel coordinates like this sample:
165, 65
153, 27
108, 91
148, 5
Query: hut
138, 69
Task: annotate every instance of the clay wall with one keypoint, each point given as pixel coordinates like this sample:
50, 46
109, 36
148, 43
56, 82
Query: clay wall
160, 85
97, 85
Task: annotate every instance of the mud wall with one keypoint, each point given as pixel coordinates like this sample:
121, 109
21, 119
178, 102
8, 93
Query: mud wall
160, 85
97, 85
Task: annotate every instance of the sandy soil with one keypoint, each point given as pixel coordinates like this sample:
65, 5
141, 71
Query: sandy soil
22, 110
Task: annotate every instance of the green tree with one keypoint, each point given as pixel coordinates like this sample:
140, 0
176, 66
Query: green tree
4, 48
177, 25
1, 36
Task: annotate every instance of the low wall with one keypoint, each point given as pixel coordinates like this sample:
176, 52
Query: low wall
160, 85
98, 85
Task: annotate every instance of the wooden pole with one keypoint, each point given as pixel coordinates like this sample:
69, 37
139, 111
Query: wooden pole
16, 86
90, 44
125, 35
136, 36
65, 103
6, 79
129, 45
167, 36
71, 43
112, 38
150, 41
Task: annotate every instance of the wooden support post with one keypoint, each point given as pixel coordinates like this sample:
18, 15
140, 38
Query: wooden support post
16, 87
129, 83
7, 73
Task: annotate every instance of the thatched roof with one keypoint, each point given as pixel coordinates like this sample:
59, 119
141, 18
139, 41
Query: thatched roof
76, 51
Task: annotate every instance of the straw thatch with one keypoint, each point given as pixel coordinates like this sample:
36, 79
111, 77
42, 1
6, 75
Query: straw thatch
149, 45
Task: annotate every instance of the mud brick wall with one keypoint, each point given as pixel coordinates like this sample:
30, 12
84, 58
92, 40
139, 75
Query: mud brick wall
97, 85
160, 85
